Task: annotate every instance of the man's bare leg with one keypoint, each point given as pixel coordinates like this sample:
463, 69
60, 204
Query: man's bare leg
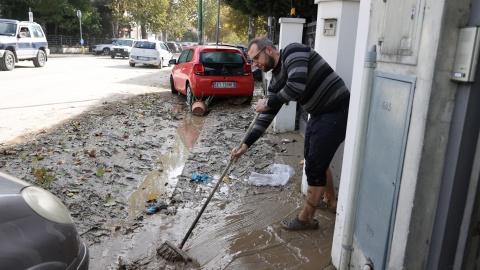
329, 196
314, 196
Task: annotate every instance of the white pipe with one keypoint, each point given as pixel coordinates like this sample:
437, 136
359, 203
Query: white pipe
361, 132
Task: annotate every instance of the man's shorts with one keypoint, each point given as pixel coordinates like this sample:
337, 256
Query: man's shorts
324, 134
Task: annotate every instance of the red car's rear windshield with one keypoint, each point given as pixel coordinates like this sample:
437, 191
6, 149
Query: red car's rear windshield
222, 63
220, 57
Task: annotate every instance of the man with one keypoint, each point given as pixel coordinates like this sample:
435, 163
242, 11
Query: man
301, 74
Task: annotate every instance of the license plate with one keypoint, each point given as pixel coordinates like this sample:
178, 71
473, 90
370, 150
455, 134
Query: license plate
224, 84
143, 58
119, 54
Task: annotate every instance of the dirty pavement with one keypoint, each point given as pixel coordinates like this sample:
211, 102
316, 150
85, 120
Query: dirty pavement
135, 173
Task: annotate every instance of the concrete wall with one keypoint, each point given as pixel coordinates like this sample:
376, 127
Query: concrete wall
432, 47
347, 163
62, 49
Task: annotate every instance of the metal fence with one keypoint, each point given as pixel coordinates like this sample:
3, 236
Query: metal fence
74, 41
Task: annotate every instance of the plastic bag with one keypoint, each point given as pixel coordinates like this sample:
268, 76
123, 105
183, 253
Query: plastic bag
281, 173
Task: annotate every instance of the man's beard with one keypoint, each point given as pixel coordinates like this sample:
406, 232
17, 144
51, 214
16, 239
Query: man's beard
269, 64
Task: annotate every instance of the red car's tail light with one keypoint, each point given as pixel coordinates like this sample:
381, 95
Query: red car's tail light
247, 69
199, 69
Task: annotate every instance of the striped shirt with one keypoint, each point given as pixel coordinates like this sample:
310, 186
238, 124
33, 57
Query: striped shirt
301, 75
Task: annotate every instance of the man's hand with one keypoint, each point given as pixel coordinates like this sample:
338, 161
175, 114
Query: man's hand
237, 153
260, 105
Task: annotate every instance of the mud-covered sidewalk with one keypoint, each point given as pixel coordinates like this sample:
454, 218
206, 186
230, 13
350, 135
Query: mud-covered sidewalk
125, 171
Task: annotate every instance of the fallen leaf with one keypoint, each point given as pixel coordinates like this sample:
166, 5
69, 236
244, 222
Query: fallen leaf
100, 172
110, 202
97, 234
92, 154
152, 197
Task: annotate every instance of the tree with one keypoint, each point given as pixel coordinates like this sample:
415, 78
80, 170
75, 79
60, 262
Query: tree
239, 23
180, 15
275, 8
150, 14
118, 9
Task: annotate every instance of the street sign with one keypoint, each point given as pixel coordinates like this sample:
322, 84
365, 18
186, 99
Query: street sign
79, 14
81, 41
30, 16
249, 31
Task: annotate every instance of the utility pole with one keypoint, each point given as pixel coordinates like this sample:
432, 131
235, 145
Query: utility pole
200, 23
218, 20
79, 15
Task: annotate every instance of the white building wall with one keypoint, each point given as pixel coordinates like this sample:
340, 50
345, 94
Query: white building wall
355, 92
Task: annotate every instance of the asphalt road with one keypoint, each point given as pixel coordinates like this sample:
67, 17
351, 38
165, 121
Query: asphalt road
33, 99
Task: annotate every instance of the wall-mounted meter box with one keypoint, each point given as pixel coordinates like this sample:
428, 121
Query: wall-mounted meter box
466, 57
329, 26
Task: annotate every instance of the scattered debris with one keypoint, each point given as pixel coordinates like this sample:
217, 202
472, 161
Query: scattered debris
203, 178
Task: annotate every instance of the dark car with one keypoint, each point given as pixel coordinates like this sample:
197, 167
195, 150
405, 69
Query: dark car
36, 229
204, 71
173, 47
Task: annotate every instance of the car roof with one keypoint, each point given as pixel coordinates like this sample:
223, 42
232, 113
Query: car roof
216, 47
16, 21
146, 40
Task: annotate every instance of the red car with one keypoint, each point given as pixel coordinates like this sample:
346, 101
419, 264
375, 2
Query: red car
210, 70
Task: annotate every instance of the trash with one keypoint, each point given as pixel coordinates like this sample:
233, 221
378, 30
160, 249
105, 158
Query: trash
281, 173
155, 208
204, 178
224, 190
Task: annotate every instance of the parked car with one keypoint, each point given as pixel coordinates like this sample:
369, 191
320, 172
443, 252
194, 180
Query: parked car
184, 46
20, 41
122, 47
146, 52
206, 70
104, 48
174, 47
36, 229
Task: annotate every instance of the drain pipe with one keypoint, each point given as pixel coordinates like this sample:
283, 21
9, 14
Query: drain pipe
361, 132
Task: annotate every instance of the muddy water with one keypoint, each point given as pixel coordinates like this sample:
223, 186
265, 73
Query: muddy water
240, 229
160, 185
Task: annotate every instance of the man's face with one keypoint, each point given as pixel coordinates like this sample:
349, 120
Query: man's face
261, 57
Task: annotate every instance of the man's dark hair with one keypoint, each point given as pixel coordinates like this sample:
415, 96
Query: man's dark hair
261, 42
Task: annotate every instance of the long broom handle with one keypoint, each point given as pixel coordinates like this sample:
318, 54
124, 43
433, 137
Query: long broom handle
218, 184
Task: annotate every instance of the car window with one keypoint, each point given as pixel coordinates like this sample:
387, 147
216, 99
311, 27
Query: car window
24, 31
145, 45
222, 63
162, 45
123, 42
183, 57
221, 57
190, 55
8, 29
37, 31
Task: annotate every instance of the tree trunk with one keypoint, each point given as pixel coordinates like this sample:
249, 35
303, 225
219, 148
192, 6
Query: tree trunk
144, 31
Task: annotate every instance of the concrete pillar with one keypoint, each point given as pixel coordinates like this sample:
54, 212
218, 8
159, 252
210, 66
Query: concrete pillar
335, 41
291, 30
